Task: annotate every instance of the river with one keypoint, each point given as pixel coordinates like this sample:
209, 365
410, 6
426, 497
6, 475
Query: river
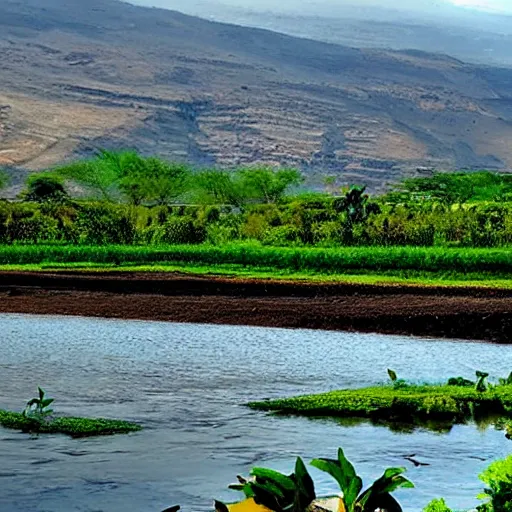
187, 385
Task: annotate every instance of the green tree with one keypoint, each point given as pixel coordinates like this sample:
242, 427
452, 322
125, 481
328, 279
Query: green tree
356, 205
330, 184
128, 174
44, 187
220, 188
452, 188
97, 175
268, 185
164, 181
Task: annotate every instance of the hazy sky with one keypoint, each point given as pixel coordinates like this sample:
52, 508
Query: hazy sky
489, 5
504, 6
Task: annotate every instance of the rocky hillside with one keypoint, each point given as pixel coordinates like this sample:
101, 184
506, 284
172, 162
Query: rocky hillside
78, 75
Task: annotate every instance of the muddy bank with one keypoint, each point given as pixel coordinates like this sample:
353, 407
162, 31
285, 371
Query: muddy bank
475, 314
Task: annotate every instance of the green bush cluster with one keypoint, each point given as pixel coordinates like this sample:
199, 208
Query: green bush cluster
123, 198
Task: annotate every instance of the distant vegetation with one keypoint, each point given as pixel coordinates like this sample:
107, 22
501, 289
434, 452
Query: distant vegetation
124, 209
123, 198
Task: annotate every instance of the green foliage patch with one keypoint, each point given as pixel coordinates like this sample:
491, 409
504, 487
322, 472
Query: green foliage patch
296, 492
126, 198
409, 403
498, 492
74, 427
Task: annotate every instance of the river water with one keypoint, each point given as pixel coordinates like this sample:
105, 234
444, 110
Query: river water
187, 384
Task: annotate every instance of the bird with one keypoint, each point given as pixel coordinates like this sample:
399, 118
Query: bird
415, 462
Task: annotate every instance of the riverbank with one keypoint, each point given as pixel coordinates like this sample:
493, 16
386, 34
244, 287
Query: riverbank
442, 312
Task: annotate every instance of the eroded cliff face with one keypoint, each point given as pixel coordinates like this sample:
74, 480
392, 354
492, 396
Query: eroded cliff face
77, 76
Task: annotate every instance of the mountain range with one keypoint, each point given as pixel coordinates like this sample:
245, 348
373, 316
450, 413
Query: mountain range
77, 76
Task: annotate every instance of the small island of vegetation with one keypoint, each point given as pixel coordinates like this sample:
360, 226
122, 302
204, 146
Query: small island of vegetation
38, 418
458, 401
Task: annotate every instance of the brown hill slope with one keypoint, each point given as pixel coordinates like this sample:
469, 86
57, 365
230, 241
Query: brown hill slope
79, 75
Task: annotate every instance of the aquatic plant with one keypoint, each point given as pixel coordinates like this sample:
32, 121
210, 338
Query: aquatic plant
507, 381
37, 409
269, 490
481, 384
276, 491
397, 383
376, 497
392, 375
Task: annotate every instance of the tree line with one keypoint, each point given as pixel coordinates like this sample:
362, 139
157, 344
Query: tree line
133, 179
124, 198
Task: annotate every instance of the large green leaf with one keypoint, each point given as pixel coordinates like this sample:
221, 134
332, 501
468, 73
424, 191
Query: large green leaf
283, 481
345, 474
273, 489
264, 495
383, 501
391, 480
172, 509
392, 375
46, 402
305, 491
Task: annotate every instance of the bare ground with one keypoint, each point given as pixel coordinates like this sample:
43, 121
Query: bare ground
475, 314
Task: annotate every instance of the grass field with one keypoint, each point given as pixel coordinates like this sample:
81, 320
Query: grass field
366, 265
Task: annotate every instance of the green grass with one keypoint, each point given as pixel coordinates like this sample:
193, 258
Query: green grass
74, 427
366, 265
410, 277
297, 259
410, 403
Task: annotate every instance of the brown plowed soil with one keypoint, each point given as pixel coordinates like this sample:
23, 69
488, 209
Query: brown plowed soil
465, 313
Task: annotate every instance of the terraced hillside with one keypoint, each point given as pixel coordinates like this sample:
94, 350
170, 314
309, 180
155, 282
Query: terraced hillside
80, 75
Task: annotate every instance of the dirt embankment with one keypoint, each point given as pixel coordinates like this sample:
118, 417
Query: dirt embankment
476, 314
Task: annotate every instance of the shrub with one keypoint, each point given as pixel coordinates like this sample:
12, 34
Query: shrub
281, 236
437, 506
255, 227
498, 478
179, 230
104, 224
